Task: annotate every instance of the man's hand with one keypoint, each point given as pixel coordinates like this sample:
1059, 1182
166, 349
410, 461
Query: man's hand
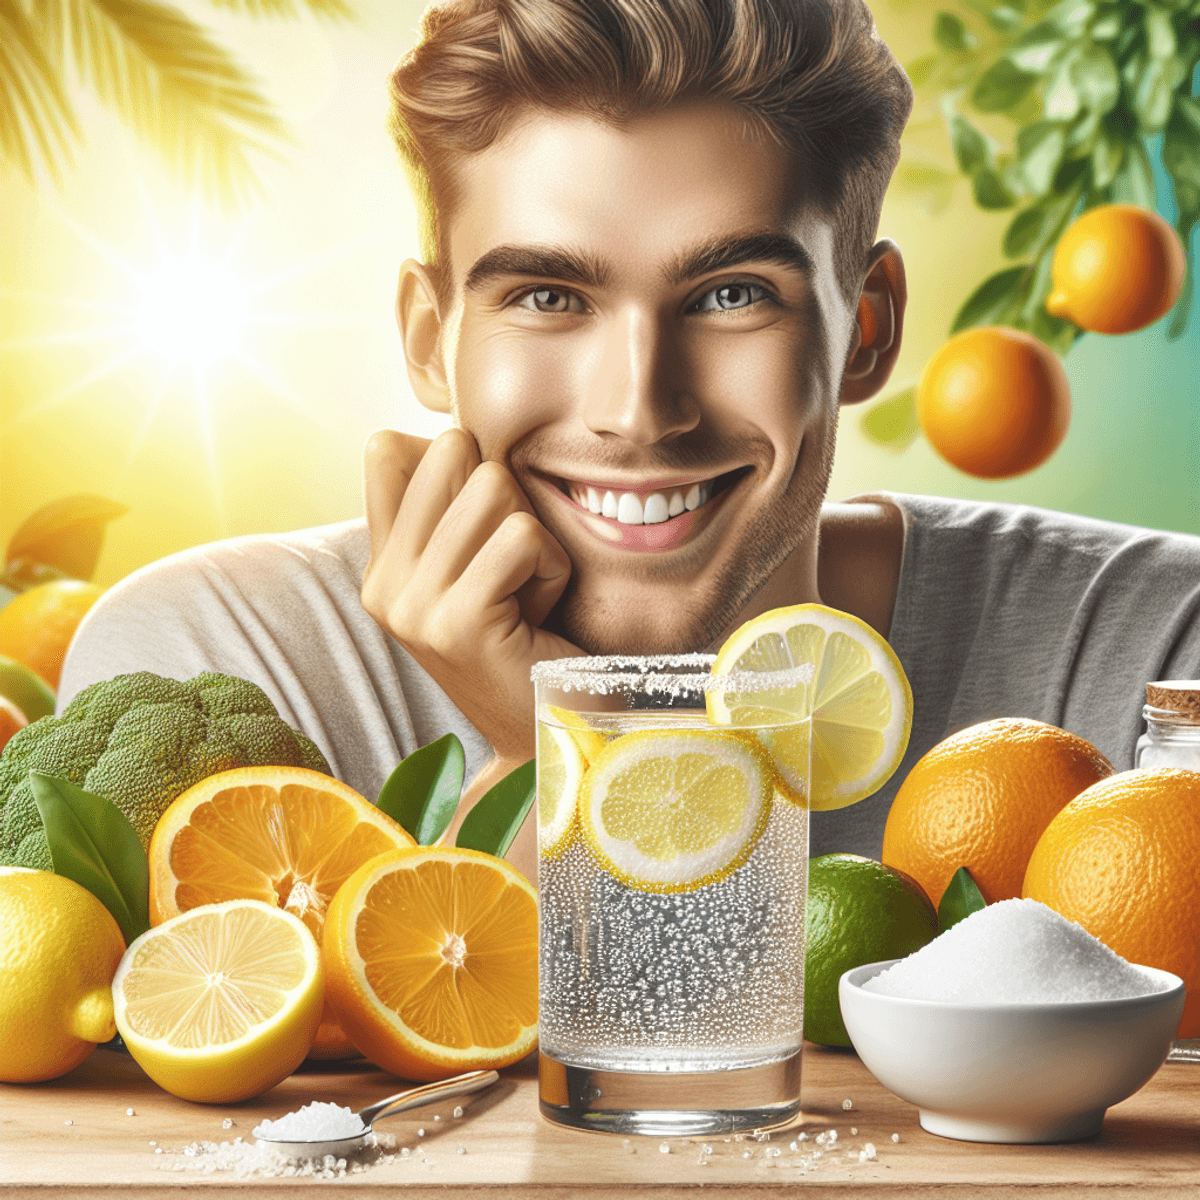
462, 574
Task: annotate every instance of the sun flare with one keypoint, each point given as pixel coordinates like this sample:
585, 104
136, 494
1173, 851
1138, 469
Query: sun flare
193, 312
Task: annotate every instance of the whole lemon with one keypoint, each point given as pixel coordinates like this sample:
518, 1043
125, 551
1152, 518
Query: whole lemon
59, 949
37, 627
858, 912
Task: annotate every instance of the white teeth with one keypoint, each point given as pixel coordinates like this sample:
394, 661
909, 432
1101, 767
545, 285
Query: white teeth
676, 504
692, 500
629, 509
593, 500
609, 507
656, 509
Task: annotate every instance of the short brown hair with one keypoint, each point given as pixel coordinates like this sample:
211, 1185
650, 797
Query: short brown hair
812, 74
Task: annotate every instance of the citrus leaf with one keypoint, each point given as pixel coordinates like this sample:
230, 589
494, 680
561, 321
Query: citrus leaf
971, 148
893, 421
1096, 79
25, 689
1024, 230
991, 299
991, 192
65, 534
1160, 34
93, 843
500, 812
1004, 18
961, 898
1002, 86
1134, 183
1039, 150
951, 33
422, 793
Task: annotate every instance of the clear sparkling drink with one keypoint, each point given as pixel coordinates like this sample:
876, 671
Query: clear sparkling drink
673, 853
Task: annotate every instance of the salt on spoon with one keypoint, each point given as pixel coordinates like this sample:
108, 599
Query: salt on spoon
357, 1126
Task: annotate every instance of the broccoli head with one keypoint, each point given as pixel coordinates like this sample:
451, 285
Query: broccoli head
141, 740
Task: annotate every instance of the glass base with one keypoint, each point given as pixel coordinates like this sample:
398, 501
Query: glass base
652, 1102
1185, 1050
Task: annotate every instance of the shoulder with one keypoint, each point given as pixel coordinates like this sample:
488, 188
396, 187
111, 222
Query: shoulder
224, 605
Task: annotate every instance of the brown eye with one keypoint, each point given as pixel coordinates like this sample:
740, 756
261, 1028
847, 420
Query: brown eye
729, 296
550, 300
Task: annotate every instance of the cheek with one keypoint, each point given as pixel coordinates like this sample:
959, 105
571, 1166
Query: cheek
507, 384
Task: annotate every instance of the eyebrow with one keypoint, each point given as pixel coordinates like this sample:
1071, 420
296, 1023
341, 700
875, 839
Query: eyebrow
722, 253
549, 262
552, 262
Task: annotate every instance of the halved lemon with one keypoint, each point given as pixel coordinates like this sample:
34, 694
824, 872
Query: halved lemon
284, 835
675, 811
222, 1002
560, 769
860, 701
431, 960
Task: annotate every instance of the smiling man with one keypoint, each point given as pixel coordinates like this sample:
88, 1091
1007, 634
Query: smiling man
650, 279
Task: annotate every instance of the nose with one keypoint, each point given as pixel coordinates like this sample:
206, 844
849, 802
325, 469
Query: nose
638, 392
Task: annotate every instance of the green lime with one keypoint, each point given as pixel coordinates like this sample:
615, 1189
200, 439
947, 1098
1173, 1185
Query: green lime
859, 911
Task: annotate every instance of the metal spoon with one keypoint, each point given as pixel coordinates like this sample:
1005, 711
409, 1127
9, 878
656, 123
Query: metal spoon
472, 1081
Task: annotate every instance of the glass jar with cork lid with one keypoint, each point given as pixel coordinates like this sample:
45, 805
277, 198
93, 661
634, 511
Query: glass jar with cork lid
1172, 737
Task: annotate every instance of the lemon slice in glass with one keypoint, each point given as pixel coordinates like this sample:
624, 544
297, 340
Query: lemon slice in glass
589, 739
560, 770
672, 812
860, 701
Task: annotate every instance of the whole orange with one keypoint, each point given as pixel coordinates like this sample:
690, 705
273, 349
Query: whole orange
1118, 268
37, 626
1121, 860
994, 402
981, 798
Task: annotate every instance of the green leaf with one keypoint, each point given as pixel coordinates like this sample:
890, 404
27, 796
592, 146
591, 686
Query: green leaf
1160, 33
1004, 18
1107, 156
1071, 16
991, 299
1096, 78
961, 898
1002, 86
991, 191
93, 843
951, 33
1134, 183
971, 148
893, 421
1039, 151
1062, 101
66, 534
423, 792
1024, 230
921, 70
501, 811
1107, 27
1154, 94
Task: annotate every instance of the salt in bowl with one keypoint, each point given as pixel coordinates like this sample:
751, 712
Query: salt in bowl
1011, 1072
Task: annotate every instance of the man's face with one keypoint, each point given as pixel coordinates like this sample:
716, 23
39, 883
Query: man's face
645, 327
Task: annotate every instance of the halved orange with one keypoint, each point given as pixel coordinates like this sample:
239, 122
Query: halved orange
287, 836
431, 961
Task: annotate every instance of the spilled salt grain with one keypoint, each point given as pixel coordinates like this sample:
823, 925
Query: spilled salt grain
895, 1137
130, 1113
458, 1112
315, 1122
1013, 952
664, 1148
227, 1123
846, 1104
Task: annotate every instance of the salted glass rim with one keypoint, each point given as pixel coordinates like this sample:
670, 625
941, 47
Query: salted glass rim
667, 673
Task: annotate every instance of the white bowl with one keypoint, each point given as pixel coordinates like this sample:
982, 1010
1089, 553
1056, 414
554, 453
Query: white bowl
1011, 1072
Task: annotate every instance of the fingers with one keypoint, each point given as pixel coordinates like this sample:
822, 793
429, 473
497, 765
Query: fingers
389, 460
521, 567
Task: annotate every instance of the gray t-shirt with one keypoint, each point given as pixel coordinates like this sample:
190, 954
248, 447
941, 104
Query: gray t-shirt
1001, 610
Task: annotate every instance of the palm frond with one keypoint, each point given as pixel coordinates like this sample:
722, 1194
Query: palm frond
334, 10
182, 92
36, 121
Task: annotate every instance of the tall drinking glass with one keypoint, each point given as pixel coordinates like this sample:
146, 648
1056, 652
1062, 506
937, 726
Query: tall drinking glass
673, 868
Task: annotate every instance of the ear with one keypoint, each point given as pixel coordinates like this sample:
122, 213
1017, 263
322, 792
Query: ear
420, 323
875, 342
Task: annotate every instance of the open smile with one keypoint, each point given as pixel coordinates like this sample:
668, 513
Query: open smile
658, 515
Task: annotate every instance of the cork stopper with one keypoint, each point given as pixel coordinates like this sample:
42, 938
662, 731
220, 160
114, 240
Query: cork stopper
1175, 695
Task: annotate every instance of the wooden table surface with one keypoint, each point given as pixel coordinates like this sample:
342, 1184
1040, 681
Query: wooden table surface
73, 1137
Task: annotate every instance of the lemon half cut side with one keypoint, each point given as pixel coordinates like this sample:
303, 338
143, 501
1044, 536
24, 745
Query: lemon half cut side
222, 1002
561, 765
675, 811
860, 701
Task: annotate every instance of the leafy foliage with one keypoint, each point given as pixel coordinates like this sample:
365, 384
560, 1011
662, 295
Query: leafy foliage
162, 72
961, 898
1085, 83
